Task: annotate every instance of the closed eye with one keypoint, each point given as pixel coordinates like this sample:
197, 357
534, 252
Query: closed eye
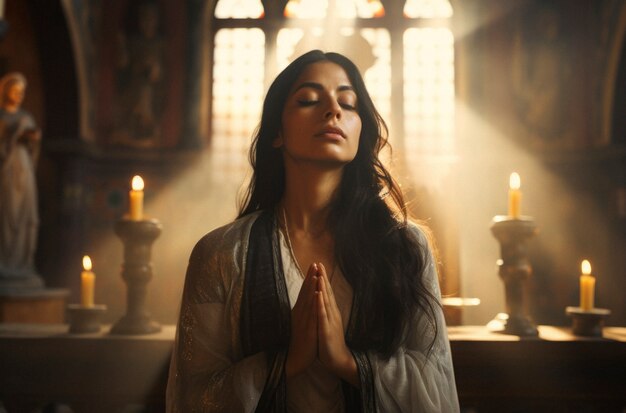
347, 106
306, 102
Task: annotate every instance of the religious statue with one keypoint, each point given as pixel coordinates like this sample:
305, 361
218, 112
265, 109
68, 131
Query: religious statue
19, 217
140, 80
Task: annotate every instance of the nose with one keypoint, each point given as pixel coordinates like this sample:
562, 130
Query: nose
333, 110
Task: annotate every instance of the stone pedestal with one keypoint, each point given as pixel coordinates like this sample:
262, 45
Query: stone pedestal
137, 237
12, 281
44, 306
515, 269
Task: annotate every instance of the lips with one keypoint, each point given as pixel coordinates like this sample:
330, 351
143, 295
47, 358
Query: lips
331, 130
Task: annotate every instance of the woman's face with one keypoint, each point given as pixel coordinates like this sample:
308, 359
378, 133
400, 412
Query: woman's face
15, 93
320, 121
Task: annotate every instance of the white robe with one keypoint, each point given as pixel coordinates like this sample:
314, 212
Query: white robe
217, 378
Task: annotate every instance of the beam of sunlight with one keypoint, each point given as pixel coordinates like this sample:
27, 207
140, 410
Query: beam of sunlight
476, 19
487, 158
194, 202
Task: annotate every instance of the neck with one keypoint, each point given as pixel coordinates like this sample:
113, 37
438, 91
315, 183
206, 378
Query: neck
308, 193
10, 107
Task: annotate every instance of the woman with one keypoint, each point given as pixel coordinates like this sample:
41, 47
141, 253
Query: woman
361, 329
19, 218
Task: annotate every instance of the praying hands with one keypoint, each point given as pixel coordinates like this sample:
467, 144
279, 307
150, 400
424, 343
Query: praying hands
317, 330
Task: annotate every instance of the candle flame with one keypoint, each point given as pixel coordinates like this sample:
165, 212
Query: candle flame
585, 267
377, 8
137, 183
87, 263
515, 181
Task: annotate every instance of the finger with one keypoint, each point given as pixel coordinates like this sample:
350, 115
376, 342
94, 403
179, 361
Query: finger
308, 279
324, 292
315, 310
325, 285
327, 280
307, 297
308, 286
306, 308
313, 282
331, 304
322, 318
320, 322
320, 273
312, 315
311, 271
322, 269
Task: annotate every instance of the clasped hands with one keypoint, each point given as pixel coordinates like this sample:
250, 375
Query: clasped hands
317, 330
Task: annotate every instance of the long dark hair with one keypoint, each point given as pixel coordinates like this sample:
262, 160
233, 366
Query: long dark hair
379, 257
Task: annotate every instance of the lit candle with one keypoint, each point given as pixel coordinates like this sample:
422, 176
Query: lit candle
87, 283
587, 286
136, 199
515, 195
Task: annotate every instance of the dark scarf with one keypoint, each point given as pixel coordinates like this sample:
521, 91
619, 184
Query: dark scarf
265, 322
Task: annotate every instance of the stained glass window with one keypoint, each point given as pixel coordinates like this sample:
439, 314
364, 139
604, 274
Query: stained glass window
428, 102
237, 97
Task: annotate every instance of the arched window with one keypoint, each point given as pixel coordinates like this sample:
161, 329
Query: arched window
405, 50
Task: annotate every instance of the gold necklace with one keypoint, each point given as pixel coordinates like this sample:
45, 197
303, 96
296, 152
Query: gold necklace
293, 254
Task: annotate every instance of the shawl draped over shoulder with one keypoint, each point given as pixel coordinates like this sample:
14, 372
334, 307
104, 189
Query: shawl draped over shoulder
233, 334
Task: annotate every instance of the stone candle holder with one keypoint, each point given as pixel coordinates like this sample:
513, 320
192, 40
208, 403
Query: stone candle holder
85, 320
514, 269
137, 237
587, 323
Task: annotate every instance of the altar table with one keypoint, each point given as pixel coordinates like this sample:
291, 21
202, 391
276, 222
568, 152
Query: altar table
556, 372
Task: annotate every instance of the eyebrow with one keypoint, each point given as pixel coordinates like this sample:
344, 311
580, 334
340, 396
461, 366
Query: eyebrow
318, 86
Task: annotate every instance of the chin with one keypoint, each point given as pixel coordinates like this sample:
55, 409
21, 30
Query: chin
332, 158
336, 161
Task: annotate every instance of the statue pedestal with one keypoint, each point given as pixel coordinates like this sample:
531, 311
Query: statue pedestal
44, 306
